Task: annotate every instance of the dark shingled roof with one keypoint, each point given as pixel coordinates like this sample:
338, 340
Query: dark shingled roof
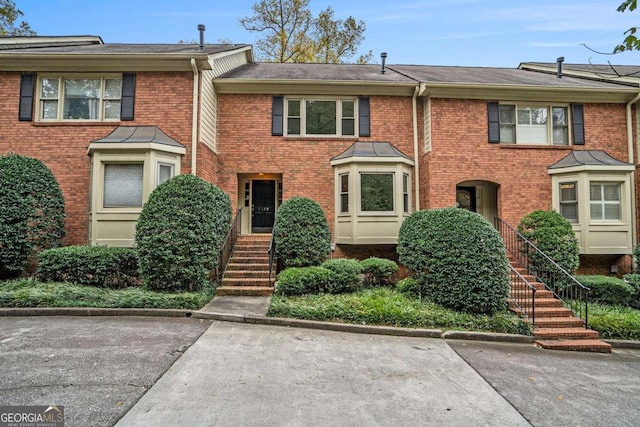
605, 70
133, 134
330, 72
495, 76
587, 157
371, 149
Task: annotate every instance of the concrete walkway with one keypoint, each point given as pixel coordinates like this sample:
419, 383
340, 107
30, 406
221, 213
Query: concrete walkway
246, 306
248, 375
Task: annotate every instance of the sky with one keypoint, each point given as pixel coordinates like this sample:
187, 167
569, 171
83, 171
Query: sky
486, 33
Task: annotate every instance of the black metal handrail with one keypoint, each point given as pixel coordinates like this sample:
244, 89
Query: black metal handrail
272, 254
563, 285
229, 243
523, 294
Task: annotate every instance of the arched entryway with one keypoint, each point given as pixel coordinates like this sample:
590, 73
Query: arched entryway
478, 196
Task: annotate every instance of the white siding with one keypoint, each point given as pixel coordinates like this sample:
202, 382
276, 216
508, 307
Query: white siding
209, 112
427, 125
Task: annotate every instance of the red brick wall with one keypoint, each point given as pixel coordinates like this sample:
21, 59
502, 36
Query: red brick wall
246, 146
162, 99
461, 152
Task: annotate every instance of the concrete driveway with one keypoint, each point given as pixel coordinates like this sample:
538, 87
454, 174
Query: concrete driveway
96, 367
561, 388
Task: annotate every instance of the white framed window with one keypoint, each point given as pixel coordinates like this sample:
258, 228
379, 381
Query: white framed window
123, 185
166, 171
68, 98
321, 116
377, 192
604, 201
344, 193
534, 124
405, 193
569, 200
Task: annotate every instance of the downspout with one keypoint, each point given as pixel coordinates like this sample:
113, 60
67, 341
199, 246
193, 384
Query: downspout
416, 150
194, 124
631, 159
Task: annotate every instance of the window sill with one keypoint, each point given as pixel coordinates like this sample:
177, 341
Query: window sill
77, 123
320, 138
536, 146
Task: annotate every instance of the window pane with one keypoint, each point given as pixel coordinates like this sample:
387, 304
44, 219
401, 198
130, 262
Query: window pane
596, 211
344, 203
348, 109
595, 192
344, 183
123, 185
348, 127
405, 193
560, 136
611, 192
506, 114
321, 117
559, 116
293, 126
376, 192
50, 109
569, 211
344, 193
81, 99
539, 116
49, 88
293, 108
112, 109
507, 134
165, 173
113, 88
524, 116
568, 192
612, 211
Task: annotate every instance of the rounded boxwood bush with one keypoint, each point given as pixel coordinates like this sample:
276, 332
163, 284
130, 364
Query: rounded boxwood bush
180, 232
378, 271
89, 265
302, 280
302, 233
346, 275
608, 290
458, 259
553, 235
32, 213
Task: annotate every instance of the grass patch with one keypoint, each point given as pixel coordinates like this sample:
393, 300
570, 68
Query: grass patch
31, 293
385, 306
615, 322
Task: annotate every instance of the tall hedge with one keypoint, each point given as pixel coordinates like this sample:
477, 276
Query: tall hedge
553, 235
458, 259
179, 233
302, 233
31, 212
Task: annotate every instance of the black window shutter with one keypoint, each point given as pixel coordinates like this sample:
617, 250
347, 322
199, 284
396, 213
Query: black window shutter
364, 117
277, 116
493, 112
128, 96
577, 114
27, 86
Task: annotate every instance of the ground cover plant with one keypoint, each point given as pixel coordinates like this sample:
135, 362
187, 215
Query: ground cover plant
31, 293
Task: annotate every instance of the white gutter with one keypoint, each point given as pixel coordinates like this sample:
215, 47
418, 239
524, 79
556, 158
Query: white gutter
194, 121
416, 151
631, 159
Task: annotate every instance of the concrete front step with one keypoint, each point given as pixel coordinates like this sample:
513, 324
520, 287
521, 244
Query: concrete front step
565, 333
594, 345
253, 291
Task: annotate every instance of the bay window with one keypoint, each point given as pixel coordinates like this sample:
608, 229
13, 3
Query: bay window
123, 185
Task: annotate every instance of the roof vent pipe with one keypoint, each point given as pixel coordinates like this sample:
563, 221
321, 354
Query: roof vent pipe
201, 29
560, 60
383, 55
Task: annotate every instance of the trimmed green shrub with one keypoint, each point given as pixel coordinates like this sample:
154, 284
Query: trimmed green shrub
633, 280
180, 232
302, 280
302, 233
410, 287
346, 275
553, 235
458, 259
89, 265
32, 213
607, 290
378, 271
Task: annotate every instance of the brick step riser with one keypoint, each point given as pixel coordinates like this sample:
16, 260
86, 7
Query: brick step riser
539, 303
250, 260
570, 335
260, 248
522, 295
248, 267
547, 313
570, 322
245, 282
243, 274
250, 254
247, 292
595, 346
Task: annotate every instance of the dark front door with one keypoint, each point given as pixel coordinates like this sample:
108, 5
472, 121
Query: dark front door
466, 198
263, 209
